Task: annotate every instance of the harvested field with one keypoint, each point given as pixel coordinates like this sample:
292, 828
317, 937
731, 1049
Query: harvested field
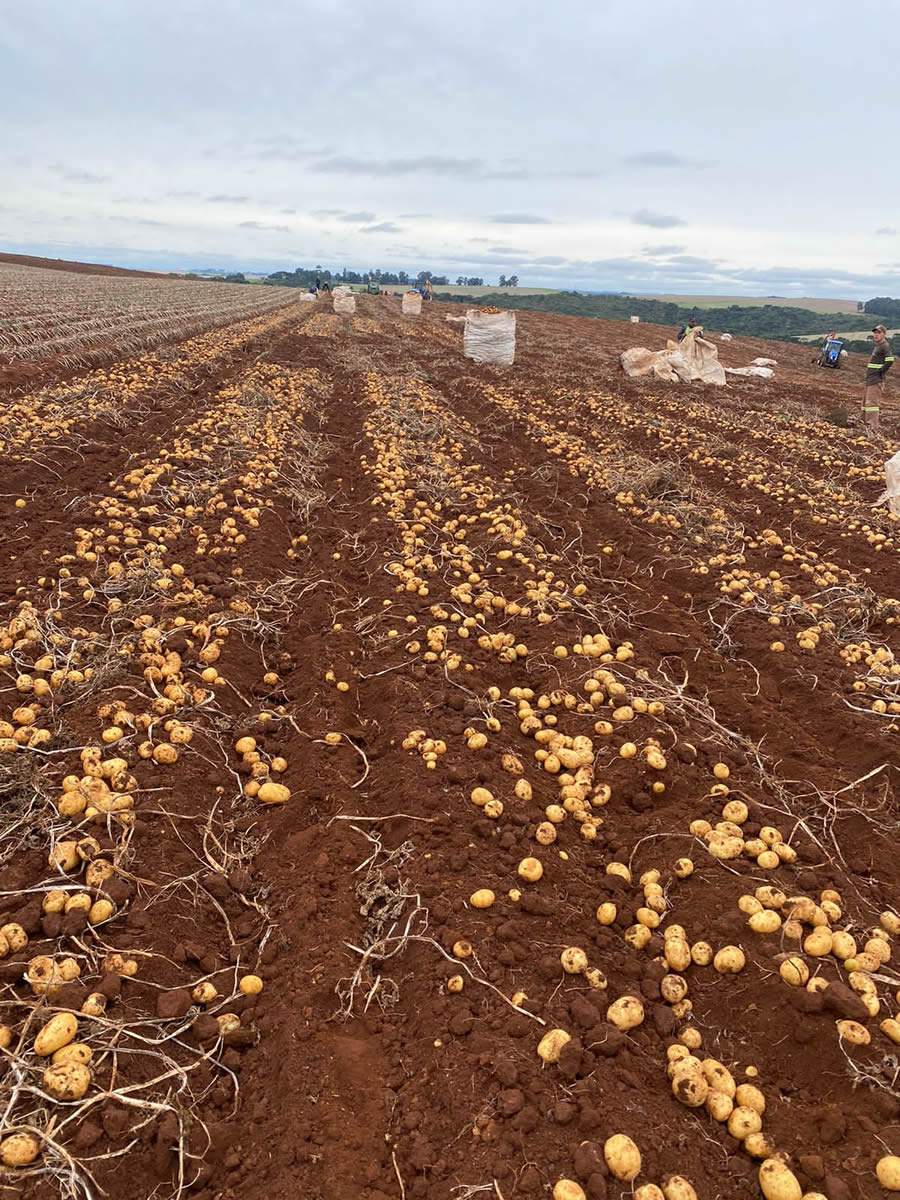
415, 774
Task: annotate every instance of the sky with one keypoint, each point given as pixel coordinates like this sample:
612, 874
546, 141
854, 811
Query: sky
595, 144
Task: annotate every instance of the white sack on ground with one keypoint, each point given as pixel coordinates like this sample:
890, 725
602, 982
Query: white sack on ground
702, 358
490, 337
891, 494
411, 304
725, 337
764, 362
344, 303
309, 297
668, 365
759, 372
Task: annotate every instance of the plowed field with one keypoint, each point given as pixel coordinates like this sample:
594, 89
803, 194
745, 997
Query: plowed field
414, 774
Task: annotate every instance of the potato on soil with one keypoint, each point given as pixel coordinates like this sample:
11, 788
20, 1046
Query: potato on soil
551, 1045
67, 1080
626, 1013
649, 1191
568, 1189
59, 1031
678, 1188
19, 1150
778, 1182
888, 1171
622, 1157
251, 985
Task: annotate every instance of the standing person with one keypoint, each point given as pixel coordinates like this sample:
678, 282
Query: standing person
877, 368
429, 290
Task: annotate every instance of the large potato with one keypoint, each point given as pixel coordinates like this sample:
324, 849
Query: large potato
19, 1150
58, 1032
888, 1171
551, 1044
67, 1080
649, 1191
622, 1157
778, 1182
568, 1189
678, 1188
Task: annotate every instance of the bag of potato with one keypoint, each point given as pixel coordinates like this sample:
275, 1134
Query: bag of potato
411, 304
891, 494
345, 303
489, 336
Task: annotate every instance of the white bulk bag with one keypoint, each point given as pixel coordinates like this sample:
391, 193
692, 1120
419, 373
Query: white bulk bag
411, 304
309, 297
891, 494
345, 303
490, 337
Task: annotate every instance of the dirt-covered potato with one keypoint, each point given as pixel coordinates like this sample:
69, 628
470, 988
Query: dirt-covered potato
19, 1150
59, 1031
749, 1096
626, 1013
551, 1045
676, 1187
75, 1052
729, 960
622, 1157
574, 960
568, 1189
794, 971
67, 1081
744, 1121
778, 1182
649, 1191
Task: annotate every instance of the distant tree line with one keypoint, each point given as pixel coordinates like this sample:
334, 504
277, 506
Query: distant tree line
883, 306
306, 276
767, 320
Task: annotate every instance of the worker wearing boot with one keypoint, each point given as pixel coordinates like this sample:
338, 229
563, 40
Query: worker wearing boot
878, 366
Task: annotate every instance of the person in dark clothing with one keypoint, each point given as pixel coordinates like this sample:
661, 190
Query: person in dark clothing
688, 328
880, 362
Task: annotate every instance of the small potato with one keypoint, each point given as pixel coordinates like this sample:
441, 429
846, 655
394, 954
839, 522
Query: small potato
567, 1189
766, 921
758, 1145
273, 793
480, 796
15, 935
19, 1150
819, 942
59, 1031
204, 993
638, 936
702, 954
530, 869
749, 905
228, 1023
744, 1121
462, 949
718, 1076
75, 1052
683, 868
692, 1038
750, 1097
595, 979
649, 1191
778, 1182
626, 1013
94, 1005
67, 1081
673, 988
794, 971
574, 960
622, 1157
678, 1188
483, 898
690, 1087
606, 913
853, 1032
251, 985
891, 1029
729, 960
888, 1171
545, 834
677, 953
719, 1106
551, 1045
455, 983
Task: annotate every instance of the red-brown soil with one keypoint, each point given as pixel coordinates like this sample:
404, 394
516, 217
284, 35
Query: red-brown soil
370, 471
80, 268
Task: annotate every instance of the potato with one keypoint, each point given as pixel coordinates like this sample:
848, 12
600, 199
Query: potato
677, 953
729, 960
67, 1081
649, 1191
778, 1182
75, 1052
749, 905
853, 1032
95, 1005
567, 1189
758, 1145
19, 1150
273, 793
766, 921
100, 911
718, 1076
15, 936
574, 960
692, 1038
719, 1106
626, 1013
595, 979
750, 1097
59, 1031
204, 993
891, 1028
794, 971
606, 913
702, 954
690, 1086
530, 869
483, 898
251, 985
227, 1023
673, 988
622, 1157
638, 936
744, 1121
677, 1187
551, 1045
888, 1171
819, 942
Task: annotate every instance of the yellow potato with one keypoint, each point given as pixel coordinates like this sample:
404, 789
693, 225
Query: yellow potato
750, 1097
78, 1052
622, 1157
19, 1150
59, 1031
888, 1171
567, 1189
678, 1188
67, 1081
483, 898
574, 960
649, 1191
729, 960
251, 985
551, 1045
273, 793
778, 1182
794, 971
626, 1013
744, 1121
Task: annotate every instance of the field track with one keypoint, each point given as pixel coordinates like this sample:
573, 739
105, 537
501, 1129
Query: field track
367, 715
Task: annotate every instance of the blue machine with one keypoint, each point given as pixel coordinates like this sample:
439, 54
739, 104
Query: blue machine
831, 353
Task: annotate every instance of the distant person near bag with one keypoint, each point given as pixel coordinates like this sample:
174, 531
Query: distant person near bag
879, 364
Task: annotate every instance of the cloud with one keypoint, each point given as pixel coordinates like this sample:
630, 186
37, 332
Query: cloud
519, 219
427, 164
479, 239
655, 220
549, 260
267, 228
382, 227
414, 216
78, 175
353, 218
662, 250
224, 198
665, 159
886, 231
514, 251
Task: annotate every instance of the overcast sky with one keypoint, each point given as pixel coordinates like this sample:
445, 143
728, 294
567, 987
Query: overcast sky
662, 146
